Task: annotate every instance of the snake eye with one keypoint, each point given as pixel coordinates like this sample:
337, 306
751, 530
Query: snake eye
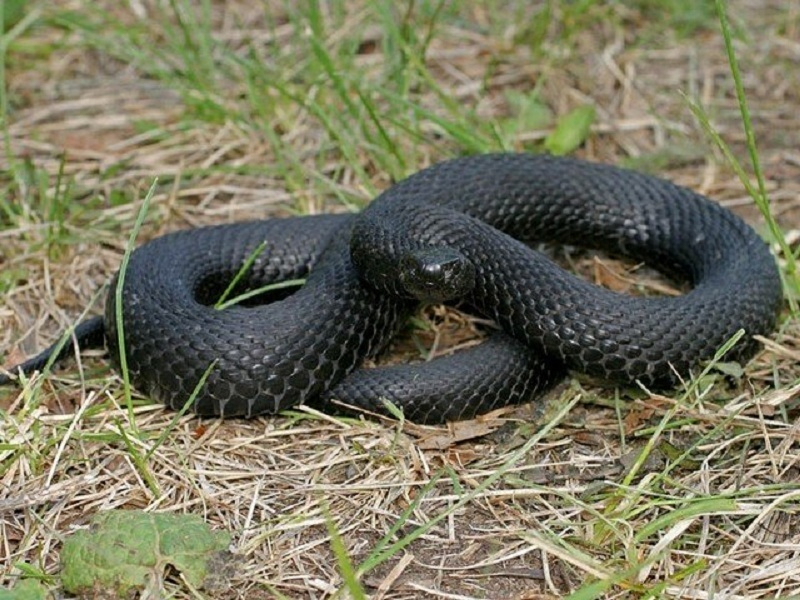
436, 274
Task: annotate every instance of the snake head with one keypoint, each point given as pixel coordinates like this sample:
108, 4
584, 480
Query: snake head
436, 274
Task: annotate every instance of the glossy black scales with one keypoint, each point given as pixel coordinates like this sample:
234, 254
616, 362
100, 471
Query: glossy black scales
459, 229
482, 206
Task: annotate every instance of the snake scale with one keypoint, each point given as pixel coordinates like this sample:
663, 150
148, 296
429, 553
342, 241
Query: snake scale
458, 230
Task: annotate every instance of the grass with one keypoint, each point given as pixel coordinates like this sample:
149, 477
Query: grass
117, 291
317, 106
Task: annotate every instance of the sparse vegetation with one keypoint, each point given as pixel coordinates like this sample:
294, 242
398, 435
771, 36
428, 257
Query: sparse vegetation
232, 110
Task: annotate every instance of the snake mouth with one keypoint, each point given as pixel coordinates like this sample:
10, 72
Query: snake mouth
436, 274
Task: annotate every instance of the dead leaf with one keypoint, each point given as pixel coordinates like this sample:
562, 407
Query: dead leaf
457, 431
611, 275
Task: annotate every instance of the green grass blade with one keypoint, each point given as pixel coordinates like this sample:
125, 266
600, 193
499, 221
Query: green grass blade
346, 569
761, 199
184, 409
123, 358
258, 291
243, 270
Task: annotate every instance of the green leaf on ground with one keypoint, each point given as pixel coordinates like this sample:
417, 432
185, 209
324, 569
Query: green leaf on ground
12, 12
530, 113
27, 589
571, 131
673, 156
733, 369
131, 550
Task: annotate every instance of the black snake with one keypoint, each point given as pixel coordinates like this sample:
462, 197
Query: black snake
457, 230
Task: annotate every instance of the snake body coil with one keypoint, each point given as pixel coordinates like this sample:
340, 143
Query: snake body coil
457, 229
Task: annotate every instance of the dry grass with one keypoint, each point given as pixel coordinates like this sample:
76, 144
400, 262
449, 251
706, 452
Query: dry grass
694, 495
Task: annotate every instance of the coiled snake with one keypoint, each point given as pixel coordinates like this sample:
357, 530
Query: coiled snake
456, 230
